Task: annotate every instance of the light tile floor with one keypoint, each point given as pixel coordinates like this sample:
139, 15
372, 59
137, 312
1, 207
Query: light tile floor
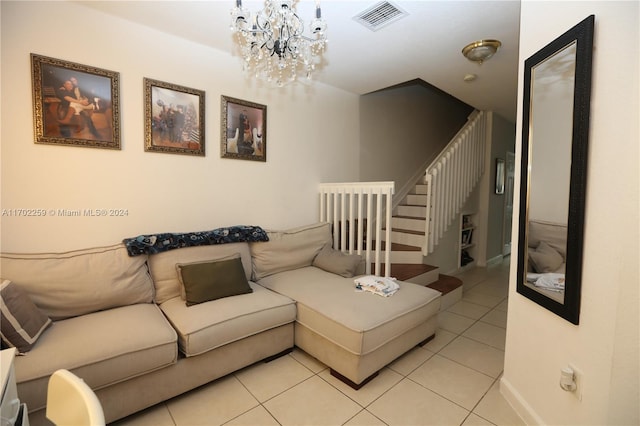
452, 380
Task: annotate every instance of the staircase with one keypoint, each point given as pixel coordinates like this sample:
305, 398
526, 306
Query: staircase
408, 226
433, 204
408, 236
418, 222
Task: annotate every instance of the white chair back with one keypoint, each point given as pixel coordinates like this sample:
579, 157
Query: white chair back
71, 402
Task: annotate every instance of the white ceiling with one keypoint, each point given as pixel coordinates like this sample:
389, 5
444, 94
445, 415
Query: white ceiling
424, 45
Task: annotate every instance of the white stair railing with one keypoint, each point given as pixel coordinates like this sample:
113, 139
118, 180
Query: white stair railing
354, 209
451, 177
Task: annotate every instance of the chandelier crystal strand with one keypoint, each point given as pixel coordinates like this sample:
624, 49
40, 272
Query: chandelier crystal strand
273, 43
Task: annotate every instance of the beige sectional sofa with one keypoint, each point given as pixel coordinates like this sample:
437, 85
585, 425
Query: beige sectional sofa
122, 324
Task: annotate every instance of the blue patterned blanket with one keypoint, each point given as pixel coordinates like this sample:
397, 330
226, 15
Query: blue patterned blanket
158, 243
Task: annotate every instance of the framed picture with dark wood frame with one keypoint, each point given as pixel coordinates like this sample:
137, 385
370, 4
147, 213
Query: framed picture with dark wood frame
75, 104
243, 130
173, 118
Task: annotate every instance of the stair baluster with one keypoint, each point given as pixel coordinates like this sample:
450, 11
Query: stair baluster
338, 199
451, 178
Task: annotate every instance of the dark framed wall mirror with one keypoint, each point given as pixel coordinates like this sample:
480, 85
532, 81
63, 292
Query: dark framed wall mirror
500, 172
555, 134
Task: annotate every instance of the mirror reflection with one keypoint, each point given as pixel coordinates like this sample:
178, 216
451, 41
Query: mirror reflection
553, 174
550, 142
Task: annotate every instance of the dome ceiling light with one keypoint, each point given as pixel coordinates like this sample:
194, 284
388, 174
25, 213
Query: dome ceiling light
480, 51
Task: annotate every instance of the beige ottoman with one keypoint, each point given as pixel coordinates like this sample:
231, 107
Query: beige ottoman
355, 333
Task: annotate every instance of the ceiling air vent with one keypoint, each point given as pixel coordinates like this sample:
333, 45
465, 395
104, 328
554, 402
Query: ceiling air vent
380, 15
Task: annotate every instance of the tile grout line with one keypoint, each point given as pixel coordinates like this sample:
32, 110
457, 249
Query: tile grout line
458, 335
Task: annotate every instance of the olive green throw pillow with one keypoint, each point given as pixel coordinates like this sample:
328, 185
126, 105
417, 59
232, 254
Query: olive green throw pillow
205, 281
336, 262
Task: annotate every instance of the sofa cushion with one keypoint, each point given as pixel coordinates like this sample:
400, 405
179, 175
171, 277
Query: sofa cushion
102, 348
554, 234
78, 282
212, 324
21, 321
337, 262
359, 322
545, 258
211, 280
163, 265
291, 249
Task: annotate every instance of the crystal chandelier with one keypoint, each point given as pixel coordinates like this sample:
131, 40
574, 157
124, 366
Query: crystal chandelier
273, 44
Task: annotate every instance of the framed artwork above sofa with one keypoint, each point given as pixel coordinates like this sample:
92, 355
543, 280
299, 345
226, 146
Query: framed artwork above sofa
243, 130
75, 104
173, 118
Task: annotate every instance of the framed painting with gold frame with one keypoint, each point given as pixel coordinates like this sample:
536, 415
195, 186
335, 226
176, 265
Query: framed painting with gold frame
173, 118
243, 130
75, 104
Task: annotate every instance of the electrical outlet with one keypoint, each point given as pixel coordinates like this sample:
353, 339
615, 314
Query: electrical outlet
578, 376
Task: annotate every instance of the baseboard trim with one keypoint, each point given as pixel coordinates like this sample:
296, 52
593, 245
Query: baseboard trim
518, 403
495, 260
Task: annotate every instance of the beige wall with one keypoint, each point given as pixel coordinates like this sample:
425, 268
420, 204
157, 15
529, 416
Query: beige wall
403, 129
313, 137
604, 347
